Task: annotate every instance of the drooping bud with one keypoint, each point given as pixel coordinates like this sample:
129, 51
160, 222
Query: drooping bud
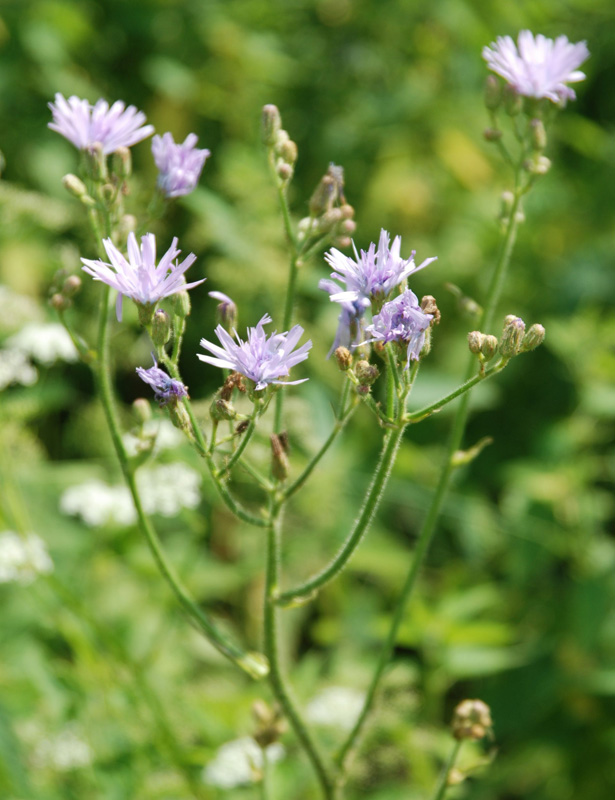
122, 163
534, 337
472, 720
366, 373
270, 125
538, 135
429, 306
343, 357
279, 459
512, 336
475, 341
142, 410
493, 93
161, 328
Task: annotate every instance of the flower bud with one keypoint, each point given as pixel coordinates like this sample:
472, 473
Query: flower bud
179, 416
342, 241
329, 219
343, 358
122, 163
513, 102
493, 93
142, 410
270, 723
472, 720
512, 336
221, 409
288, 152
271, 122
71, 286
161, 328
283, 170
348, 227
538, 135
534, 337
366, 373
279, 459
492, 134
489, 346
59, 302
323, 196
97, 161
347, 211
226, 310
75, 186
180, 304
475, 341
429, 306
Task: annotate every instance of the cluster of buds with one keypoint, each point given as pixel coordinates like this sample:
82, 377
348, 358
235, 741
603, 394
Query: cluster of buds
472, 720
515, 339
282, 149
361, 372
62, 290
270, 723
330, 214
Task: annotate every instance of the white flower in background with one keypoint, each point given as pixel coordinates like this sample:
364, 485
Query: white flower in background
165, 435
15, 368
17, 309
22, 558
238, 763
164, 490
65, 751
44, 342
336, 706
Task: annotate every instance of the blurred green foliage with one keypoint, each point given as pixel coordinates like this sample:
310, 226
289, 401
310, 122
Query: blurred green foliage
516, 605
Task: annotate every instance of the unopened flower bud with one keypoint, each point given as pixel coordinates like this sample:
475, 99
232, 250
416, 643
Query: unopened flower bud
366, 373
283, 170
226, 310
180, 304
179, 416
348, 227
489, 346
512, 337
270, 124
288, 152
161, 328
97, 161
347, 211
74, 185
534, 337
122, 163
343, 358
270, 723
279, 459
221, 409
538, 134
59, 302
429, 306
343, 241
475, 341
329, 220
472, 720
142, 410
71, 286
108, 192
323, 196
513, 102
492, 134
493, 93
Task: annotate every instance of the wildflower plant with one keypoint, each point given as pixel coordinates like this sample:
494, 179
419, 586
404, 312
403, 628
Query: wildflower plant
384, 336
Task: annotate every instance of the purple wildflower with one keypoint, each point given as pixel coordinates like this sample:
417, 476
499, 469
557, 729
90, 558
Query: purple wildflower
349, 332
165, 388
537, 66
227, 310
180, 165
402, 320
261, 359
374, 273
139, 277
84, 124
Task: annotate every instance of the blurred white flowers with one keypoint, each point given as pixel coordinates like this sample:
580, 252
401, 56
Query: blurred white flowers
336, 706
22, 558
63, 751
45, 343
155, 435
164, 490
239, 762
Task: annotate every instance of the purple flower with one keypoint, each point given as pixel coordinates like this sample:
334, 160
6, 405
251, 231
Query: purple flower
401, 320
349, 332
261, 359
180, 165
540, 67
139, 277
165, 388
372, 274
84, 124
227, 310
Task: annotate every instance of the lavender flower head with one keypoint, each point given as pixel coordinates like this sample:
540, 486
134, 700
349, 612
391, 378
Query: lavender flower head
401, 320
139, 277
537, 66
373, 274
261, 359
165, 388
84, 124
349, 332
180, 165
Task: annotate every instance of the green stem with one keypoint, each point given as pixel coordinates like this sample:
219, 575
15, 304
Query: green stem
288, 317
250, 663
245, 440
428, 527
446, 771
391, 444
276, 677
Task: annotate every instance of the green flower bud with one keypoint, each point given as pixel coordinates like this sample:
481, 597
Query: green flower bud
71, 286
534, 337
271, 122
366, 373
493, 93
538, 135
288, 151
513, 102
324, 196
146, 313
343, 358
122, 163
180, 304
512, 336
475, 341
492, 134
161, 328
489, 346
142, 410
75, 186
179, 416
283, 170
221, 409
472, 720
